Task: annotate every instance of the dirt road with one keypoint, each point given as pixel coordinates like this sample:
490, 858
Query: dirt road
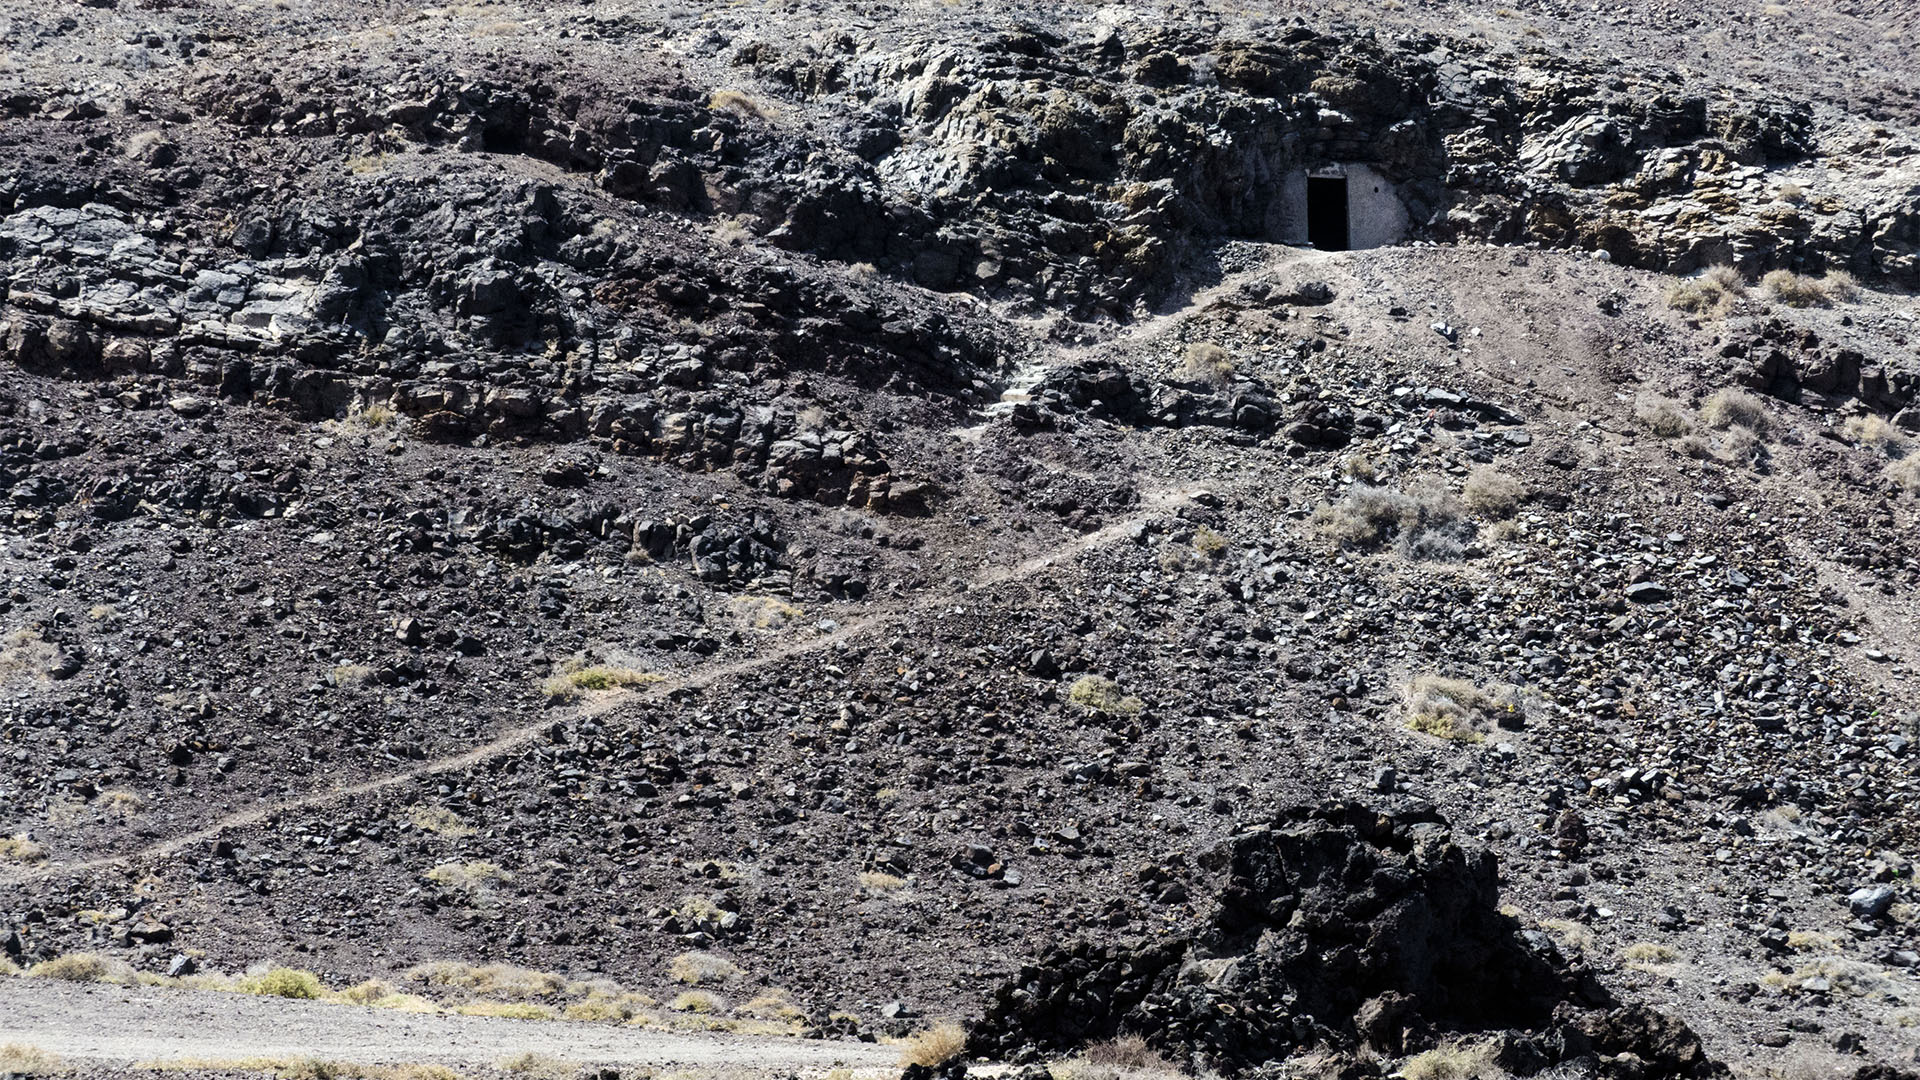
96, 1023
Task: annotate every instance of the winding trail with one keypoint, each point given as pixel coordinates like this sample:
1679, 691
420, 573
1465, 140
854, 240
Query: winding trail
103, 1024
1151, 504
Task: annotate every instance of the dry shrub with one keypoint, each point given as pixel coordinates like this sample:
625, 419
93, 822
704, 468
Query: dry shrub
371, 992
1427, 523
26, 654
1873, 430
74, 967
1730, 408
1739, 446
491, 980
22, 1059
1454, 1061
1906, 473
1711, 293
1103, 695
615, 1007
1663, 416
1204, 361
1128, 1052
284, 983
1452, 708
734, 101
934, 1046
1209, 543
1492, 493
532, 1066
701, 969
1804, 291
21, 848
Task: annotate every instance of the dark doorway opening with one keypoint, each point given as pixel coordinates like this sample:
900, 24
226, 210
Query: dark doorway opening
1327, 212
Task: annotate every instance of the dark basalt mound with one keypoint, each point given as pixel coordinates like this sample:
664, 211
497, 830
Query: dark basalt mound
1341, 929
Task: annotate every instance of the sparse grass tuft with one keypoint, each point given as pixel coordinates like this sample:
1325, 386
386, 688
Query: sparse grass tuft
775, 1004
698, 1001
1843, 976
1453, 1061
1730, 408
309, 1068
1209, 543
470, 878
1647, 955
765, 612
701, 969
21, 848
346, 675
373, 416
1712, 293
880, 882
1569, 933
936, 1045
509, 1010
572, 682
1492, 493
1103, 695
440, 821
1203, 361
1811, 941
284, 983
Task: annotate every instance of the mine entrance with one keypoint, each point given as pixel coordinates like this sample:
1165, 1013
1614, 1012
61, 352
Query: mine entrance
1327, 212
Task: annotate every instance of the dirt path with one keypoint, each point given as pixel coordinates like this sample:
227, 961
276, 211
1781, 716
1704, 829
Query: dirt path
110, 1024
1151, 503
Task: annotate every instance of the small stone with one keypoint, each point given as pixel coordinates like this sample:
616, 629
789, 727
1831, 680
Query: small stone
1872, 902
189, 406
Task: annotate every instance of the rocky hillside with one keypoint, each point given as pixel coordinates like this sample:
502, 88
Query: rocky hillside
864, 498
